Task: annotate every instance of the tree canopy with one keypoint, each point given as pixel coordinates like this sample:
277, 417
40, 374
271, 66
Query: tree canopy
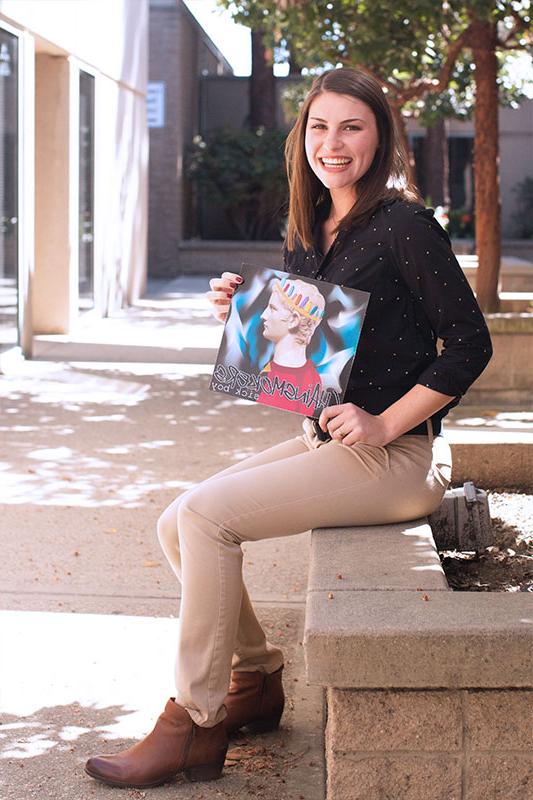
427, 56
411, 46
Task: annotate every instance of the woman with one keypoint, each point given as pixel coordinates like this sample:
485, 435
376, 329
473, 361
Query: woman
379, 457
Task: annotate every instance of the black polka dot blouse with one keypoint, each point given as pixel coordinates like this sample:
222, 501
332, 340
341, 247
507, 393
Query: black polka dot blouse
418, 293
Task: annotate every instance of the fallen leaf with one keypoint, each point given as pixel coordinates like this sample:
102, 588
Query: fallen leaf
240, 753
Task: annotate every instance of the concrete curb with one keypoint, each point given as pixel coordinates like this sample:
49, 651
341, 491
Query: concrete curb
429, 691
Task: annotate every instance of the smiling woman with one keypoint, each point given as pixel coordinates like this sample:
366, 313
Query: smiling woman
335, 144
341, 139
379, 457
344, 141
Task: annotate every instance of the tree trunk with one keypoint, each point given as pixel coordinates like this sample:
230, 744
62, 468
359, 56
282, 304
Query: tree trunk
262, 85
436, 164
486, 163
294, 66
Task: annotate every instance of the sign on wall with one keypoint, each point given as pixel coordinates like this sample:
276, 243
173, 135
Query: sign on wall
155, 104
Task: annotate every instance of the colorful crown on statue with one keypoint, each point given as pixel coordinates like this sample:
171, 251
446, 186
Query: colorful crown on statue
309, 304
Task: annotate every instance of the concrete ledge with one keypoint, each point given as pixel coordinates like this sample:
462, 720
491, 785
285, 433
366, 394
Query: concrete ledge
380, 614
521, 249
492, 460
508, 377
516, 301
197, 256
345, 560
400, 639
428, 690
516, 274
510, 322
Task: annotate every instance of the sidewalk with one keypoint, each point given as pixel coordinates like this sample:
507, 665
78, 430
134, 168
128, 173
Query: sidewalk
90, 454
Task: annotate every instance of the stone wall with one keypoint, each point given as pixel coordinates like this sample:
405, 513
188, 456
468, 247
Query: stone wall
508, 378
429, 745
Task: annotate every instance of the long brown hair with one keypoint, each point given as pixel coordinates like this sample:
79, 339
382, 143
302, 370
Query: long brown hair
386, 178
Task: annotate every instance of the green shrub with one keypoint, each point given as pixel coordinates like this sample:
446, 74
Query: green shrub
461, 223
243, 173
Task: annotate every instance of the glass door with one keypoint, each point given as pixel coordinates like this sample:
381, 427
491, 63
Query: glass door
86, 192
8, 190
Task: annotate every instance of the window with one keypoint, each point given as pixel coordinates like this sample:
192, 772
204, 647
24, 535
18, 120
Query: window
8, 190
86, 192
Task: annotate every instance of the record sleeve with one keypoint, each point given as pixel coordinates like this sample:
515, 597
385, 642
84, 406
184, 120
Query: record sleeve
288, 341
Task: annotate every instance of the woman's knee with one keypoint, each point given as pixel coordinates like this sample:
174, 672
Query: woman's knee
208, 504
194, 503
167, 524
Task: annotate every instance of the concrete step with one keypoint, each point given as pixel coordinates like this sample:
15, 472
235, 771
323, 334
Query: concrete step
64, 348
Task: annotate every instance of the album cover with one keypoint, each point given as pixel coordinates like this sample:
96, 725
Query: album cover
288, 341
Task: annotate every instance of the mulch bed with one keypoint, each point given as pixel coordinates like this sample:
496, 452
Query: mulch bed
505, 566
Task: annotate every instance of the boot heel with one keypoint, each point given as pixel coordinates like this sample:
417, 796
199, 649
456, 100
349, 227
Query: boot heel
204, 772
264, 725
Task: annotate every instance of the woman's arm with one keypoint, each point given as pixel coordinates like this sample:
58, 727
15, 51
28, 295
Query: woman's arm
421, 251
350, 424
423, 257
442, 298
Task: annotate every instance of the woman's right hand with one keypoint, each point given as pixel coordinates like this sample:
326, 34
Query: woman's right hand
222, 290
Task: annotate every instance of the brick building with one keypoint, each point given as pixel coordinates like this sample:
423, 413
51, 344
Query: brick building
180, 53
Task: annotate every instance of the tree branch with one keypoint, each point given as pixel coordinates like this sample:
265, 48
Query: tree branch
519, 25
437, 85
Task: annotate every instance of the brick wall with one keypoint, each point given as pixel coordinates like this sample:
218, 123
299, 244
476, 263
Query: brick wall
470, 744
164, 215
179, 53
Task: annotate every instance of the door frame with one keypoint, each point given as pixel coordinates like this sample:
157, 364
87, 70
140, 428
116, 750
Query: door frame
25, 181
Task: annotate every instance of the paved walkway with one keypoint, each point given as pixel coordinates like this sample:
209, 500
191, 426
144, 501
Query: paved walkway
90, 454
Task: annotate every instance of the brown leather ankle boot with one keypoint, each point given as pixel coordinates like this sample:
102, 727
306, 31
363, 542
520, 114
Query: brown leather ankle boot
176, 744
255, 701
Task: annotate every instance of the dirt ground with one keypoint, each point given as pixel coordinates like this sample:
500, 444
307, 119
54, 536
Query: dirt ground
505, 566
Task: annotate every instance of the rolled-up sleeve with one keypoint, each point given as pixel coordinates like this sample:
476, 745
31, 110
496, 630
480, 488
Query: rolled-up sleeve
422, 253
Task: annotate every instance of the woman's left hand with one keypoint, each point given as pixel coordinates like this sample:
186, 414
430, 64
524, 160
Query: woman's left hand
349, 424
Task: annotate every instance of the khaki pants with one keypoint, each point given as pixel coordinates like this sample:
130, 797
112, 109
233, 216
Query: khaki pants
295, 486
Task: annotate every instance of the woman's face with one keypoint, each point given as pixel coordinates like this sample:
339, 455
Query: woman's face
341, 138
